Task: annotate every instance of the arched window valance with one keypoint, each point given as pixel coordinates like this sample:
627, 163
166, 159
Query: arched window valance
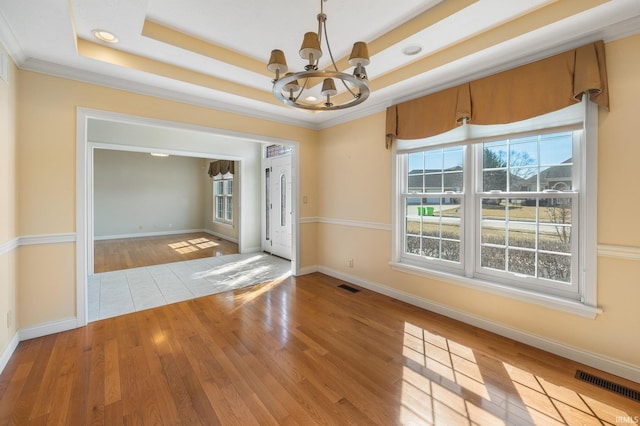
517, 94
221, 167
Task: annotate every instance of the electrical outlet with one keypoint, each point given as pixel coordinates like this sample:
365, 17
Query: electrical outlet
9, 319
350, 263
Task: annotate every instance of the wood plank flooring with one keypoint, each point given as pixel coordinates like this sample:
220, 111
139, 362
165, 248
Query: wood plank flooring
126, 253
301, 351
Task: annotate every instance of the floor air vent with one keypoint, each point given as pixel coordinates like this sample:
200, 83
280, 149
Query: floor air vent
348, 288
608, 385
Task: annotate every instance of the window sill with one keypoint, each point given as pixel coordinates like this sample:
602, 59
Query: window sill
548, 301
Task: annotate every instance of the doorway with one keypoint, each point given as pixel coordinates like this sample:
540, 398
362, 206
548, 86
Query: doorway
278, 208
175, 139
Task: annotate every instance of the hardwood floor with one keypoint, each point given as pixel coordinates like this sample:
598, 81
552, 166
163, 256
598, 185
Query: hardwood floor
300, 351
126, 253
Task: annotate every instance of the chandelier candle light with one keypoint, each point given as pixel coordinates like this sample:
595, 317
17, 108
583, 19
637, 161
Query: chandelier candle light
288, 90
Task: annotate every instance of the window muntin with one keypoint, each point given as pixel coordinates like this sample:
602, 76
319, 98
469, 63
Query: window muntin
433, 204
223, 199
522, 211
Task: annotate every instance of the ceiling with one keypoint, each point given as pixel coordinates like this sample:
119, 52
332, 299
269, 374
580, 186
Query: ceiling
214, 53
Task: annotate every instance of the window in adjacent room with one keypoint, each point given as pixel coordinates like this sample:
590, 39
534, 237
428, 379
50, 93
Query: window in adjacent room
223, 198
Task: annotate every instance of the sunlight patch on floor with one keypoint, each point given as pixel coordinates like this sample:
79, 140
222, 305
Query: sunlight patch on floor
184, 247
444, 382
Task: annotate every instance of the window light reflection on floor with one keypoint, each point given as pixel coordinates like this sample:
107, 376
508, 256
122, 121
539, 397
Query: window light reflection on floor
444, 382
184, 247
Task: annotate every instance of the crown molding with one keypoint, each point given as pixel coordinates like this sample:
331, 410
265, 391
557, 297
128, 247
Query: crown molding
63, 71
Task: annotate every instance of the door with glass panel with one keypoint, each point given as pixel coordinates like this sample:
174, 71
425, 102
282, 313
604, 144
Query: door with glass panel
278, 206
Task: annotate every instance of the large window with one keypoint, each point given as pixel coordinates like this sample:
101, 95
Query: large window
223, 198
507, 211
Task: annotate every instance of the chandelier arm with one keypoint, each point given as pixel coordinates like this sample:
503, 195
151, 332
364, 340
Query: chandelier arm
335, 67
306, 81
360, 84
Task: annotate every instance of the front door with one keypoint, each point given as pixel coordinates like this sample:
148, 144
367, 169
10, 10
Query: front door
278, 206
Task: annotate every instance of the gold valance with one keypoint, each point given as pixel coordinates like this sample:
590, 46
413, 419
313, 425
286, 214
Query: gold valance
517, 94
221, 167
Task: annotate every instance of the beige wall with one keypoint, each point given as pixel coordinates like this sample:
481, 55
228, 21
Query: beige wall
46, 176
8, 226
355, 179
136, 193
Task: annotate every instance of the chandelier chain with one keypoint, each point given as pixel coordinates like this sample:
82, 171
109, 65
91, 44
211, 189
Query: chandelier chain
335, 67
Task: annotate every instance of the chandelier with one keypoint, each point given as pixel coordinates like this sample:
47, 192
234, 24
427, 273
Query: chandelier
288, 89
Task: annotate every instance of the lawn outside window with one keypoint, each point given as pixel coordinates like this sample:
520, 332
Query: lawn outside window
509, 208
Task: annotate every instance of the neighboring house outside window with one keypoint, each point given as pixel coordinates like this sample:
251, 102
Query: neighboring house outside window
223, 198
509, 212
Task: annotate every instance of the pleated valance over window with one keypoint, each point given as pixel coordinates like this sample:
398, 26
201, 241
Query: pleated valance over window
513, 95
221, 167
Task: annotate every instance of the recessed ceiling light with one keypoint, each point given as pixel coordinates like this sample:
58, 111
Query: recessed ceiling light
105, 36
158, 154
310, 99
412, 50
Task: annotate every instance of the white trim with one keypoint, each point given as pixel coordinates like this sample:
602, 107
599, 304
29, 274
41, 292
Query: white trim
256, 249
48, 328
619, 252
9, 246
217, 100
308, 219
354, 223
7, 353
149, 234
32, 240
308, 270
610, 365
542, 299
224, 237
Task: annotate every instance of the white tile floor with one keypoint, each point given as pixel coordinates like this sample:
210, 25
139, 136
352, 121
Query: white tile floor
120, 292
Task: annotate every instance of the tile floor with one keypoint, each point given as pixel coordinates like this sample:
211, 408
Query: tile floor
120, 292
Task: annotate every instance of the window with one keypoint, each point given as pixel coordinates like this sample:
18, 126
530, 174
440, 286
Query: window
223, 198
508, 208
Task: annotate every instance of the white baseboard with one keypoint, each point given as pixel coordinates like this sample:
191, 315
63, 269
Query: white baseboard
256, 249
217, 234
610, 365
308, 270
148, 234
47, 328
32, 333
6, 354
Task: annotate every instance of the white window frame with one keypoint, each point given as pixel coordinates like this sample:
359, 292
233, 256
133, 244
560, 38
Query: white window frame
227, 199
584, 302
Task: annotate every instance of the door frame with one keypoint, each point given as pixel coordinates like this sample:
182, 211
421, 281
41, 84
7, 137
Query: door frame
264, 162
84, 186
